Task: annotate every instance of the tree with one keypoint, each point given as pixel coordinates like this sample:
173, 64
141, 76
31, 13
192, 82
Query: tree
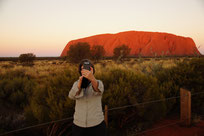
172, 49
121, 51
97, 52
78, 51
27, 59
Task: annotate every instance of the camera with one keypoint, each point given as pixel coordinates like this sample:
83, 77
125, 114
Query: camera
87, 65
85, 81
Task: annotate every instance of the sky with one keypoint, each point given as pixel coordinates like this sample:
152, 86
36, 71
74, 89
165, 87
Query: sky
44, 27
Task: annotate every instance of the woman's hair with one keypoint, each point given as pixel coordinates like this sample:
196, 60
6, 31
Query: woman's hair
82, 63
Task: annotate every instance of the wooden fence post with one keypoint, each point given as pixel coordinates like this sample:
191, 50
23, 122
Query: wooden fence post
106, 115
185, 107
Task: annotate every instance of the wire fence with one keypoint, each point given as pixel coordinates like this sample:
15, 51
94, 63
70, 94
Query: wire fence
111, 109
154, 101
38, 125
143, 103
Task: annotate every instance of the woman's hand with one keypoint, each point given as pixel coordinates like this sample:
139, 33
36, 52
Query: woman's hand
88, 74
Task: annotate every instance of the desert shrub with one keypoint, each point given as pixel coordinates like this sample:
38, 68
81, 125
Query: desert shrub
10, 121
187, 75
15, 88
7, 66
78, 51
45, 99
97, 52
13, 73
155, 67
123, 87
121, 51
27, 59
50, 100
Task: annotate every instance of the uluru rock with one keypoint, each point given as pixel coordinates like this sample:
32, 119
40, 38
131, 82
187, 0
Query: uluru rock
142, 43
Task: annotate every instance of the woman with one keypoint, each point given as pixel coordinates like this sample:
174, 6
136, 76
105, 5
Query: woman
88, 116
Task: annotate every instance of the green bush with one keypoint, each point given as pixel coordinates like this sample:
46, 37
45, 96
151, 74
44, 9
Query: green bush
16, 88
187, 75
27, 59
97, 52
128, 88
121, 51
46, 99
50, 100
78, 51
15, 91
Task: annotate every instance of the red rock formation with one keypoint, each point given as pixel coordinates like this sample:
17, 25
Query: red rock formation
144, 43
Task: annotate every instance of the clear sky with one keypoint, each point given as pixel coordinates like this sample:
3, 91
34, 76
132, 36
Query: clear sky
44, 27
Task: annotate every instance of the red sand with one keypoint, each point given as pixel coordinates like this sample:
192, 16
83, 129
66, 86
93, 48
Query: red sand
143, 43
176, 130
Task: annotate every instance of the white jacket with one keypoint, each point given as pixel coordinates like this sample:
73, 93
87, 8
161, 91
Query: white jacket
88, 107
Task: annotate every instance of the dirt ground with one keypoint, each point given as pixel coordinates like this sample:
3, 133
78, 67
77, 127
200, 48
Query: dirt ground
197, 129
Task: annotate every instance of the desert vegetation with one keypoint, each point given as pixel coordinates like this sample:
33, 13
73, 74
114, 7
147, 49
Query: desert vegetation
27, 59
33, 95
121, 51
82, 50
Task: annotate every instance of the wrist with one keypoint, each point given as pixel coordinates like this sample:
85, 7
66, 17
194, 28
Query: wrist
93, 80
78, 92
79, 88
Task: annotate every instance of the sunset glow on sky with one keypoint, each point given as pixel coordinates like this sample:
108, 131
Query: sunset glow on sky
44, 27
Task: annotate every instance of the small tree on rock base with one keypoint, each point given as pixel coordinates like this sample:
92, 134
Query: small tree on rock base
78, 51
97, 52
121, 51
